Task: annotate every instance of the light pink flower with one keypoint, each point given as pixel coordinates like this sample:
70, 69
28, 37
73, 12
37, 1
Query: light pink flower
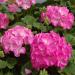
49, 49
59, 16
15, 38
13, 8
3, 1
43, 16
25, 4
4, 21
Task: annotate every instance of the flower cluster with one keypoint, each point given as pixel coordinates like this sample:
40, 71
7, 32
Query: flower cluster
49, 49
25, 4
4, 21
46, 49
15, 38
13, 8
3, 1
58, 16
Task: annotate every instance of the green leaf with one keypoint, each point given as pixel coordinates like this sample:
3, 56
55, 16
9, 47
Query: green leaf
0, 7
0, 49
9, 73
3, 7
1, 72
44, 29
34, 72
37, 25
28, 20
73, 57
70, 38
0, 33
62, 2
43, 72
11, 62
11, 16
70, 69
3, 64
1, 54
46, 22
29, 26
19, 23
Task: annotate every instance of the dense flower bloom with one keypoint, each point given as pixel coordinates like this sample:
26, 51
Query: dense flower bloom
4, 21
13, 8
15, 38
3, 1
25, 4
49, 49
58, 16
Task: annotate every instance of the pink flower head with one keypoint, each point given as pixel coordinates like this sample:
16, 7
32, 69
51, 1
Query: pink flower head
25, 4
3, 1
59, 16
4, 21
49, 49
13, 8
43, 16
14, 39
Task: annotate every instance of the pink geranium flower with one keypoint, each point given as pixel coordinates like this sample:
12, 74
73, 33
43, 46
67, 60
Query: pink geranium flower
49, 49
4, 21
25, 4
13, 8
3, 1
15, 38
58, 16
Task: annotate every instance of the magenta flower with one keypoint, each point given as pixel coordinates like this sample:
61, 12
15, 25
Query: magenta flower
3, 1
4, 21
58, 16
13, 8
25, 4
15, 38
49, 49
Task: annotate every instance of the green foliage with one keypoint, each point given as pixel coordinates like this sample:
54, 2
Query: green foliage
73, 57
37, 25
3, 7
1, 73
3, 64
69, 70
9, 73
11, 16
11, 62
43, 72
70, 38
2, 54
29, 20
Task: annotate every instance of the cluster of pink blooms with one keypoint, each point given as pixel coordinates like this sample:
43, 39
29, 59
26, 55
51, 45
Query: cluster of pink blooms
49, 49
4, 21
15, 38
3, 1
58, 16
25, 4
13, 8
